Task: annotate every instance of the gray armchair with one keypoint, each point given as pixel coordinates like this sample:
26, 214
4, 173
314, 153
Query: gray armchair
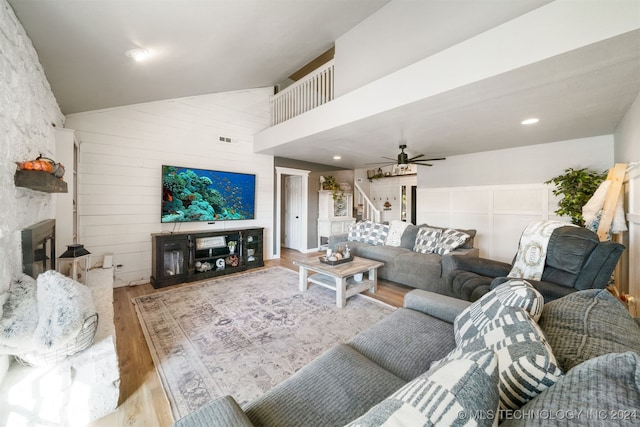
576, 260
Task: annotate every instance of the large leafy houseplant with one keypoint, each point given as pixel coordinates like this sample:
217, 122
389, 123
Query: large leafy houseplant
576, 186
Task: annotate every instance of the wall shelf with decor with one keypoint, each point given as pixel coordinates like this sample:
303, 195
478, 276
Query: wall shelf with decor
185, 257
39, 181
391, 176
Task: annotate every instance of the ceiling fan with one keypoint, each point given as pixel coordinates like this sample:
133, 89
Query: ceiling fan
404, 160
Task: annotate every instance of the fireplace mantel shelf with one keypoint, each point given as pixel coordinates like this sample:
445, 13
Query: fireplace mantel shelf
40, 181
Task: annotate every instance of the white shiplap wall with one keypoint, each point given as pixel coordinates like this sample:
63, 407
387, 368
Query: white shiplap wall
121, 153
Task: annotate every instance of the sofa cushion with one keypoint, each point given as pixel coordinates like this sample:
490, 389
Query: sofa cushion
468, 244
335, 388
396, 230
409, 236
601, 391
221, 412
418, 270
406, 342
449, 240
383, 253
440, 397
427, 240
526, 363
437, 305
514, 293
587, 324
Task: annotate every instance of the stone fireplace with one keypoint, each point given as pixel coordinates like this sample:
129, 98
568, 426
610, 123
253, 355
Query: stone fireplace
39, 248
81, 388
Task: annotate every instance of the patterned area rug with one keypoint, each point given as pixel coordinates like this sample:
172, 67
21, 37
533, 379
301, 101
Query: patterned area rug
241, 335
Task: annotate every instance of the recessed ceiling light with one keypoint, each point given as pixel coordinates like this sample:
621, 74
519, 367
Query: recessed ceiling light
337, 157
531, 121
138, 54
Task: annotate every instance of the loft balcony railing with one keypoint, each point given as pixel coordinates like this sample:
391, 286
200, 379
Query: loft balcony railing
310, 92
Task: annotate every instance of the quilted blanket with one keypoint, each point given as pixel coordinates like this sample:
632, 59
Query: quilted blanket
532, 250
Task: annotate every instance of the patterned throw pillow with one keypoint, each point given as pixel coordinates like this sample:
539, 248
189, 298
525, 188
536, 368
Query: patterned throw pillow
375, 233
526, 364
426, 240
514, 293
449, 240
368, 232
356, 232
449, 395
396, 229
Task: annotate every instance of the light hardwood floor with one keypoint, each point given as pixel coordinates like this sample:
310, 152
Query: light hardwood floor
142, 399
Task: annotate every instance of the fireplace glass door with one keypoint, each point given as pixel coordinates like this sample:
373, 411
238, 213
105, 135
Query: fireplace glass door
39, 248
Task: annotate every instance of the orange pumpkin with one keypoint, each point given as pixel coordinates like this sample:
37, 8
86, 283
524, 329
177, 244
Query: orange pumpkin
37, 165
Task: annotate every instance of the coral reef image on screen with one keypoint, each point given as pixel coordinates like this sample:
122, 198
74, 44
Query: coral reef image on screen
190, 194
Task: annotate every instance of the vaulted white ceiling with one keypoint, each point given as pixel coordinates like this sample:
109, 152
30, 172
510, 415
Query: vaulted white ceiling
198, 46
201, 47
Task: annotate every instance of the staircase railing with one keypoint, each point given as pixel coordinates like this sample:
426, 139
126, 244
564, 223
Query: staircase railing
309, 92
365, 208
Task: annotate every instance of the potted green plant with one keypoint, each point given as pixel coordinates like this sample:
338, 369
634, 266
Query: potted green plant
577, 187
330, 183
232, 246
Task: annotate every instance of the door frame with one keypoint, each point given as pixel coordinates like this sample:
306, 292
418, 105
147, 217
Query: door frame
304, 204
292, 227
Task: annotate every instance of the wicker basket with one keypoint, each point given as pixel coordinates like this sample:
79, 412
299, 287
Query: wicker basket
82, 341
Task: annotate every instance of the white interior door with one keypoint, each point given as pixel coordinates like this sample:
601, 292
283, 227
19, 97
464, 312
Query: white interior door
292, 213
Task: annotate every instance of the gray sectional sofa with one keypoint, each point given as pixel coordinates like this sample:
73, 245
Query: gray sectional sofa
403, 264
584, 353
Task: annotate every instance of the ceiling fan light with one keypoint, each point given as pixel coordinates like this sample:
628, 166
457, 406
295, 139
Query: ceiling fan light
403, 159
403, 165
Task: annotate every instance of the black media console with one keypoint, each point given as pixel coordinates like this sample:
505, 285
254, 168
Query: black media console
197, 255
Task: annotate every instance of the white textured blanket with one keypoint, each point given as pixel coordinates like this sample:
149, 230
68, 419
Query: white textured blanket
532, 250
44, 314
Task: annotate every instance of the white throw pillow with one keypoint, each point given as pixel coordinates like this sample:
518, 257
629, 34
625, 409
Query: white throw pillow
396, 229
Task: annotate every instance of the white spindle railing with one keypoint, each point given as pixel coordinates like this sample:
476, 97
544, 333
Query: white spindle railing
369, 211
306, 94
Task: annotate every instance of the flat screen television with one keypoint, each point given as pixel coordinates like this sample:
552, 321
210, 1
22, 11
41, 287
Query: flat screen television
191, 194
